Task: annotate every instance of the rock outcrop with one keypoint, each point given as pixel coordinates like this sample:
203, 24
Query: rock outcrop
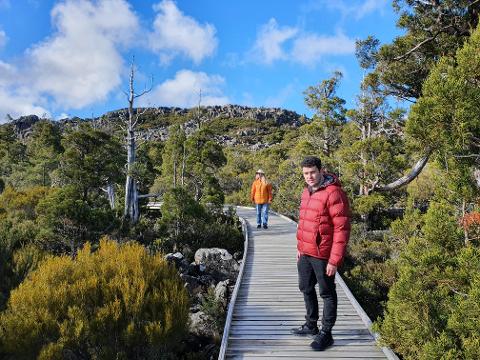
157, 123
209, 281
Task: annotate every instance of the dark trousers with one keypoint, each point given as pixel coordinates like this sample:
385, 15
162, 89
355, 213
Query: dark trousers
310, 272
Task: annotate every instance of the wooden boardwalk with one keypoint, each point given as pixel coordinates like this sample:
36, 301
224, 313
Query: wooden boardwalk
266, 304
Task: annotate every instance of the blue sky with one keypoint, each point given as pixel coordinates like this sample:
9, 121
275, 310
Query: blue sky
71, 57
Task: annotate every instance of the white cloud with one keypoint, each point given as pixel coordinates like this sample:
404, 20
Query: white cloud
368, 7
309, 49
8, 73
19, 103
63, 116
354, 9
17, 99
81, 63
275, 43
268, 46
3, 38
184, 89
78, 65
177, 34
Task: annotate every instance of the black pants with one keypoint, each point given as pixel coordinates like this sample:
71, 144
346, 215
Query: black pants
310, 272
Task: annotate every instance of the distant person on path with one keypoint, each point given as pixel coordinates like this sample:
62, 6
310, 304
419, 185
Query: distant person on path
322, 235
261, 195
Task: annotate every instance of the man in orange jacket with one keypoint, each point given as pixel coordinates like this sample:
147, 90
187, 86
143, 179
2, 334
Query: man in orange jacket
261, 195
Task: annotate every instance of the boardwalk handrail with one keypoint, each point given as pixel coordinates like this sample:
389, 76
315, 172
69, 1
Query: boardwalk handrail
365, 318
361, 312
231, 305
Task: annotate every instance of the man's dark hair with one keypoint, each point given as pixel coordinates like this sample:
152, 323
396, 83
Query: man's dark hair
311, 161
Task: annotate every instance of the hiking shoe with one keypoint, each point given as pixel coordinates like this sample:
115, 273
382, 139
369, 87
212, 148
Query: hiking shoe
322, 341
304, 330
265, 226
259, 226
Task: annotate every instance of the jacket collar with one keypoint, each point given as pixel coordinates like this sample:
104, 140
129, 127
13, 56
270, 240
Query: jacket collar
328, 179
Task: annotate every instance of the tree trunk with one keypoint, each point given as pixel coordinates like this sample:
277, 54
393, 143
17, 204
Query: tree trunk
111, 195
465, 231
131, 195
197, 192
174, 172
183, 166
131, 210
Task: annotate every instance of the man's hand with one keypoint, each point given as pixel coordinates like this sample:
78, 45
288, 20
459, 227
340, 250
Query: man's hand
298, 255
331, 269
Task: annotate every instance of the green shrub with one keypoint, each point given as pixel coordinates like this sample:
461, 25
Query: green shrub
186, 224
215, 312
67, 221
369, 270
421, 300
116, 303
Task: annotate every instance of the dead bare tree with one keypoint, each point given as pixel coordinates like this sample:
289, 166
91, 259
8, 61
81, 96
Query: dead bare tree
131, 210
110, 191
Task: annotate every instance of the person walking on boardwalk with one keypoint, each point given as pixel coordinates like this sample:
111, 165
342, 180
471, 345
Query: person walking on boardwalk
261, 195
322, 235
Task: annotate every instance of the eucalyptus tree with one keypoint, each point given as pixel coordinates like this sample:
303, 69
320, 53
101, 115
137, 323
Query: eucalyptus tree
192, 163
372, 150
323, 132
173, 158
433, 310
203, 158
13, 156
446, 119
92, 159
432, 28
43, 150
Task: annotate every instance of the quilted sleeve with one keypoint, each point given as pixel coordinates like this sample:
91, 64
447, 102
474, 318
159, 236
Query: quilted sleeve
339, 211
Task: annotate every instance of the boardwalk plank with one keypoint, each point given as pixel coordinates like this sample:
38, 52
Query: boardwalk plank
269, 304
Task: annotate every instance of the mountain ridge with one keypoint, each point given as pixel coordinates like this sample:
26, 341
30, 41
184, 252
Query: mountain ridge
232, 125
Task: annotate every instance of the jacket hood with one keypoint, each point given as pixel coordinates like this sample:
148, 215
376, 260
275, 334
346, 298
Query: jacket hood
328, 179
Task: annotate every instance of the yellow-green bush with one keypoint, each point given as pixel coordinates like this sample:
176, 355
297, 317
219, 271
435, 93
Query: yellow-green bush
116, 303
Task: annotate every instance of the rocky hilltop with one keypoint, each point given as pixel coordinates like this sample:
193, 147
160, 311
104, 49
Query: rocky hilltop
232, 124
279, 116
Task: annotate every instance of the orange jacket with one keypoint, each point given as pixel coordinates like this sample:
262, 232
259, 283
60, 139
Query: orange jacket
261, 193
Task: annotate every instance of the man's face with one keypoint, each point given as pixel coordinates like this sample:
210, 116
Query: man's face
312, 175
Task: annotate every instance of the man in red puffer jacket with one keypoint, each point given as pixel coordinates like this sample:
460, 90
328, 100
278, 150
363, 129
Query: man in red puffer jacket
322, 236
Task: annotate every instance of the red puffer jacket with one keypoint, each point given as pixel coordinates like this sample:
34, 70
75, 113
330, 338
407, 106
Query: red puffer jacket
324, 226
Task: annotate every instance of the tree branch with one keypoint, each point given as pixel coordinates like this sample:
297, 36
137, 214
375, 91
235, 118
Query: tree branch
143, 196
404, 180
473, 3
138, 114
466, 156
146, 90
420, 44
